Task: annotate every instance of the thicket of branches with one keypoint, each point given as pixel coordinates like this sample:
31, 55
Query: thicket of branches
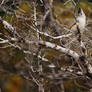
43, 51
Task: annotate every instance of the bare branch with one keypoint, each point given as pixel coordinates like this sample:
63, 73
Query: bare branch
61, 49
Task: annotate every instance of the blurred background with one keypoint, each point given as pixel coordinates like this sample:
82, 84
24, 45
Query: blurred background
12, 60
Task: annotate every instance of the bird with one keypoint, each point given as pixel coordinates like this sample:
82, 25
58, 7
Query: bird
80, 22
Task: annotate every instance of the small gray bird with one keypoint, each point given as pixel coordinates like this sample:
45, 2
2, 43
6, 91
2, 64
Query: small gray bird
80, 21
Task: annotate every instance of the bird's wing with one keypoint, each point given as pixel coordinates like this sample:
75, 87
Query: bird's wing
73, 26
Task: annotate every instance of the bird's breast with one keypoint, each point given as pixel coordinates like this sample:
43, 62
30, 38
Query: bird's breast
82, 23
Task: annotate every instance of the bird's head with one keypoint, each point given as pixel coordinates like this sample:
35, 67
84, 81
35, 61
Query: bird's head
80, 12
